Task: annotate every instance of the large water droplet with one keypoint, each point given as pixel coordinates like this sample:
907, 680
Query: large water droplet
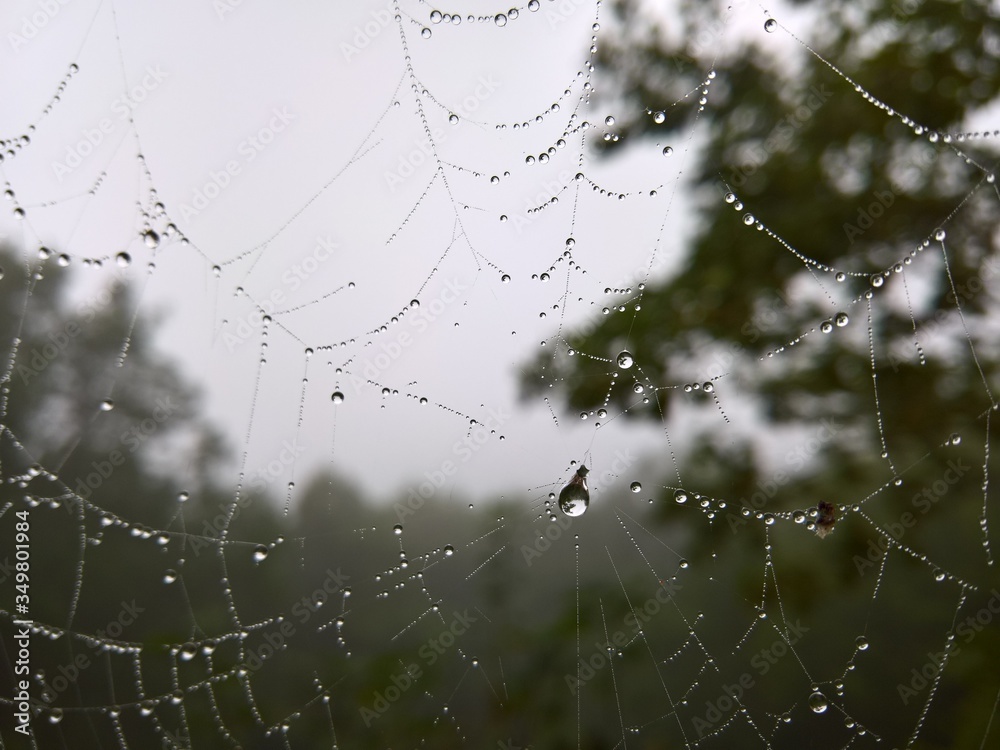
770, 25
500, 19
337, 397
818, 702
681, 496
397, 529
635, 487
861, 643
575, 497
259, 553
151, 238
841, 319
625, 360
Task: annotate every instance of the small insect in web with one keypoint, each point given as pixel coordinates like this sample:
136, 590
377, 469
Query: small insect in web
826, 519
575, 497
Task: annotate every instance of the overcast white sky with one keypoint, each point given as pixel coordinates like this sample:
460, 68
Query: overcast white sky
261, 107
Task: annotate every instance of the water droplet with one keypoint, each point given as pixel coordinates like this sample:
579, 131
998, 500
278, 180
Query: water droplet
659, 118
337, 397
877, 280
939, 575
625, 360
151, 238
453, 119
841, 319
449, 550
500, 19
169, 576
730, 197
826, 326
259, 553
107, 405
667, 150
939, 235
609, 121
575, 497
956, 439
708, 387
818, 702
505, 278
638, 388
770, 25
436, 16
681, 496
799, 517
748, 219
533, 5
861, 643
397, 529
55, 715
635, 487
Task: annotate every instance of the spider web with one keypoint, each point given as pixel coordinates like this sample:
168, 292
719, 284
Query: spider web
354, 232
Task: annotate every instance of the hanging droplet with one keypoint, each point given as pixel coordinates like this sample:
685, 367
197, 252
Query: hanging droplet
575, 497
107, 405
505, 278
770, 25
818, 702
708, 386
660, 117
124, 260
826, 326
259, 553
636, 487
397, 529
877, 280
453, 119
169, 576
425, 33
861, 643
449, 550
609, 121
625, 360
668, 150
151, 238
337, 397
680, 496
841, 319
500, 19
939, 235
